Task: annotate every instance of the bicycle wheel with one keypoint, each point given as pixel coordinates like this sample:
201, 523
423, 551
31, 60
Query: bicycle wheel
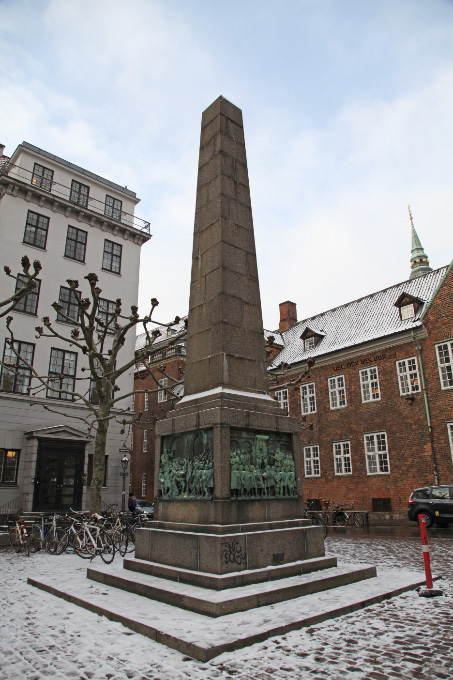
357, 518
121, 541
56, 541
107, 546
34, 538
317, 521
14, 538
25, 541
83, 547
340, 518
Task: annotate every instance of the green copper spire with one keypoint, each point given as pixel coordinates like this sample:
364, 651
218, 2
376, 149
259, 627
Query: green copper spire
419, 261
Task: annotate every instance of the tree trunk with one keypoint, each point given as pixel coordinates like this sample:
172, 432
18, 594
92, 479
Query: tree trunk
97, 478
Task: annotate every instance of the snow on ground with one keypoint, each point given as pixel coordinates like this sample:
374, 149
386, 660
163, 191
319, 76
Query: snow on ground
408, 637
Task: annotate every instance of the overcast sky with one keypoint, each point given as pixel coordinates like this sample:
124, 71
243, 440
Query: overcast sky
347, 105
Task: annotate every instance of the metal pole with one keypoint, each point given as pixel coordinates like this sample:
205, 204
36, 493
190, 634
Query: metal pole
123, 497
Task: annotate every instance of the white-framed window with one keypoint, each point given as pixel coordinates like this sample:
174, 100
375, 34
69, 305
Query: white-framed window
308, 398
312, 462
162, 393
342, 458
282, 398
445, 363
408, 377
309, 343
376, 453
143, 484
145, 441
450, 437
146, 401
369, 383
337, 392
407, 311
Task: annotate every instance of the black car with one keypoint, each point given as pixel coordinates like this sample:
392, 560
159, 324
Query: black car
144, 507
434, 502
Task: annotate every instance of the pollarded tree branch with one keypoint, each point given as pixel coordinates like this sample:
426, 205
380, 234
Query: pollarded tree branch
28, 284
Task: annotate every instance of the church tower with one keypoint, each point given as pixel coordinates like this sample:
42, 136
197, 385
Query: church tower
419, 260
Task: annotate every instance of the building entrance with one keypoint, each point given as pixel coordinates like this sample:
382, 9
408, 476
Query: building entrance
59, 476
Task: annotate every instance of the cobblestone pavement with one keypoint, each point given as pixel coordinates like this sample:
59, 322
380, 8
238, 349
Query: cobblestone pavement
406, 637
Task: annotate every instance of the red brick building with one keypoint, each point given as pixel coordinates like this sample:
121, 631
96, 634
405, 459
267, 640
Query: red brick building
372, 382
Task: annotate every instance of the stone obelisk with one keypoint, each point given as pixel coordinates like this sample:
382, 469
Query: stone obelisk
228, 452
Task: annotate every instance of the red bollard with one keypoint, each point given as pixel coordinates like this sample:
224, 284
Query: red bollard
429, 591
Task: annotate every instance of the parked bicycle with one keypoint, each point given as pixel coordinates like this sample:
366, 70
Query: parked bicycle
341, 517
18, 535
316, 517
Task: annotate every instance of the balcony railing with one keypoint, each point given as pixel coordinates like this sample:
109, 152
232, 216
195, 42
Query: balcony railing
79, 201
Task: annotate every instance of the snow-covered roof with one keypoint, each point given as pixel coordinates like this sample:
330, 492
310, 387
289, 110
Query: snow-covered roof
166, 332
278, 338
369, 318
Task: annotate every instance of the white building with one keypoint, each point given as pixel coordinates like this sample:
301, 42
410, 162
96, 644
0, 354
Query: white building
75, 223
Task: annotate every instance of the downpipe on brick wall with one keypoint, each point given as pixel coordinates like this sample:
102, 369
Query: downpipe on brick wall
428, 417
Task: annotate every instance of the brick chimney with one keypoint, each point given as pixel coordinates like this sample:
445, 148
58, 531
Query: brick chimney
288, 315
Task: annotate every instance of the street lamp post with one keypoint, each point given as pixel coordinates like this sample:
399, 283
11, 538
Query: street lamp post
124, 473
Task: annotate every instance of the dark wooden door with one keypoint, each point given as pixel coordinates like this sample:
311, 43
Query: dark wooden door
59, 476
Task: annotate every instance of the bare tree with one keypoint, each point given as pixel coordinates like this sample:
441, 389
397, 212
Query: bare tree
99, 333
27, 281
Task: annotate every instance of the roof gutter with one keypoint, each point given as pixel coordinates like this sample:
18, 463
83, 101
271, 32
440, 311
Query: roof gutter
428, 417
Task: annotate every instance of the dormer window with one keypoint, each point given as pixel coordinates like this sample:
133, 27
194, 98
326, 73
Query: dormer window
408, 306
407, 312
311, 338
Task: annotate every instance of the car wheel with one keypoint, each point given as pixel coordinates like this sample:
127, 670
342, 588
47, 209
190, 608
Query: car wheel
428, 519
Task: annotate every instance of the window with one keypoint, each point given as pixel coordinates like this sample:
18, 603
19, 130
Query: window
9, 465
337, 392
308, 398
106, 315
450, 436
76, 242
377, 456
408, 375
36, 228
113, 207
79, 193
162, 393
282, 398
42, 177
29, 303
309, 343
143, 484
146, 401
145, 441
93, 396
445, 363
112, 257
312, 464
68, 302
369, 382
407, 312
90, 470
63, 366
342, 458
15, 375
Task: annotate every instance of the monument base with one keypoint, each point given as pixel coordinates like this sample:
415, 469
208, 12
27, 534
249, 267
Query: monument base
220, 549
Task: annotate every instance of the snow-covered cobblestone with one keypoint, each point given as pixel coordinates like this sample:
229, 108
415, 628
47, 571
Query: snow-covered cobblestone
408, 637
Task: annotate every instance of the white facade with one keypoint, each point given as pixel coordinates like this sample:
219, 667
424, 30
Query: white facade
75, 223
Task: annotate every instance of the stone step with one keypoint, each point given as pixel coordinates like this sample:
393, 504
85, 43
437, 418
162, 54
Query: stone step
234, 580
203, 637
220, 603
